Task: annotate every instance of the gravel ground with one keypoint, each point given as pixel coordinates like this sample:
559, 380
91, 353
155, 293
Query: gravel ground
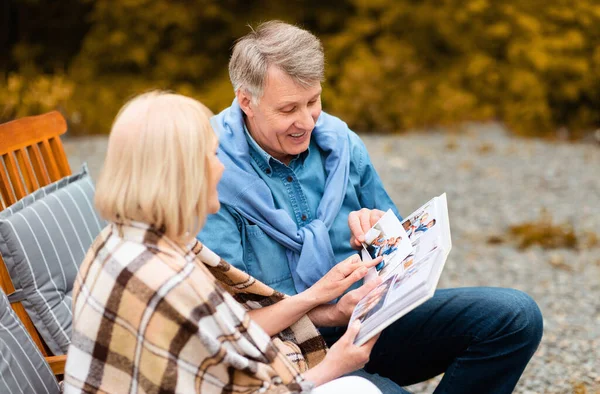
494, 180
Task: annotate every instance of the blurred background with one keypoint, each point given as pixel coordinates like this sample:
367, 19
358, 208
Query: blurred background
392, 65
442, 92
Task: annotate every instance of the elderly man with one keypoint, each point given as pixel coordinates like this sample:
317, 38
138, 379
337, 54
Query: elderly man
299, 192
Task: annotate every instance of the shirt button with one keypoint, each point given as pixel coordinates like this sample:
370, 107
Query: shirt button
304, 217
289, 178
268, 171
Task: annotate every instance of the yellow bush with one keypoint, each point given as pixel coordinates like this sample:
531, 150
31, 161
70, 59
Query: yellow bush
401, 64
391, 64
22, 96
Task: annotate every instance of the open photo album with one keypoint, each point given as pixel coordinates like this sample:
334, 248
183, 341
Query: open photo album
414, 252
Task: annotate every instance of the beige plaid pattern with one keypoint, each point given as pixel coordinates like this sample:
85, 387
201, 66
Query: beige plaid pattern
152, 316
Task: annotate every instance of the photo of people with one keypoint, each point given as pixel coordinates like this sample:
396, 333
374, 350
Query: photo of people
374, 241
385, 238
373, 302
419, 223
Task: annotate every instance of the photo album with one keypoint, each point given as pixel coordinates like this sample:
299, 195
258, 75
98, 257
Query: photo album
414, 252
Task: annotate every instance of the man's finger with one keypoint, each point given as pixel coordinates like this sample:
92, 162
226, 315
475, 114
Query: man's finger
355, 243
365, 220
375, 215
355, 226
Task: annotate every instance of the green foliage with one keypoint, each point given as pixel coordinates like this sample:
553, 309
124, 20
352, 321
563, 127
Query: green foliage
391, 64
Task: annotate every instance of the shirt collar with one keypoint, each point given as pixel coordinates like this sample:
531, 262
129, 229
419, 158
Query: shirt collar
265, 160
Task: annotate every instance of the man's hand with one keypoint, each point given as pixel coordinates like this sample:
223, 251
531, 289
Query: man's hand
346, 304
360, 222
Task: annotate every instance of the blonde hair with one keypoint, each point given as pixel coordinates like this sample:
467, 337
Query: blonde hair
156, 166
295, 51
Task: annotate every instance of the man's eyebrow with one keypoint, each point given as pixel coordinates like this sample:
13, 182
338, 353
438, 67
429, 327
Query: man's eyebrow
287, 103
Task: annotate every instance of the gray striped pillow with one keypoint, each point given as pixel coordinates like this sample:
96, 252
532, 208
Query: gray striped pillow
22, 367
43, 240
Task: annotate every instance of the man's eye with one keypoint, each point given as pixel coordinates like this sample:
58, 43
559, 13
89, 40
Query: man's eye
288, 110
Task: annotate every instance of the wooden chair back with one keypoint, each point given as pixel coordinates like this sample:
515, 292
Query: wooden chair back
31, 156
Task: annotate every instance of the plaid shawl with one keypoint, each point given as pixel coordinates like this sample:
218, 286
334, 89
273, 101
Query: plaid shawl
153, 316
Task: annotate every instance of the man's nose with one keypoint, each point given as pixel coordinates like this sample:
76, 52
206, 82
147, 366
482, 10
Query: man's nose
305, 120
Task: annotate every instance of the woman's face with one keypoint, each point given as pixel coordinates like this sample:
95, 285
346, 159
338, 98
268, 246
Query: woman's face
215, 171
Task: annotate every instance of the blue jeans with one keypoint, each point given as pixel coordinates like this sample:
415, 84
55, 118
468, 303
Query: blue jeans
480, 338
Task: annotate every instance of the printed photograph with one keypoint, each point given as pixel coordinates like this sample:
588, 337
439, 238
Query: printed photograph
373, 302
385, 239
419, 223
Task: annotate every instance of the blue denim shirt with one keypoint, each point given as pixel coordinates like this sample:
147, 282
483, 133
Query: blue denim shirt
297, 188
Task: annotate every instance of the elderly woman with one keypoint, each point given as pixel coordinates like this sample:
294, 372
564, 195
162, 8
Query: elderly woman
155, 311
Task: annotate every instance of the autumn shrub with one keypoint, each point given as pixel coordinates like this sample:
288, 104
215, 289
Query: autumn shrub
392, 65
22, 96
408, 64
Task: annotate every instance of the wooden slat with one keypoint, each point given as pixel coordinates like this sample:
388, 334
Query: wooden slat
5, 189
38, 165
27, 131
8, 288
57, 364
49, 161
28, 324
5, 281
58, 152
15, 177
26, 170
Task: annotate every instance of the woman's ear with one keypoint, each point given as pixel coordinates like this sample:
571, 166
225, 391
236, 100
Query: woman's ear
244, 100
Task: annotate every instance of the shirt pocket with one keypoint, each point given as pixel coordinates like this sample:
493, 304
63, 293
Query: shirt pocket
266, 259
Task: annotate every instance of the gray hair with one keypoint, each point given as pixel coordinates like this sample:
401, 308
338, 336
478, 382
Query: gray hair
293, 50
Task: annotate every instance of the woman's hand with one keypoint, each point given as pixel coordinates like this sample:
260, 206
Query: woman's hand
343, 357
339, 278
346, 304
332, 285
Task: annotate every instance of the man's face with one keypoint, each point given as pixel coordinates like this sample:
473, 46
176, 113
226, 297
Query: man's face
283, 120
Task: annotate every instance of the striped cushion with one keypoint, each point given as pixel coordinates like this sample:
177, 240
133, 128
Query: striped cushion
43, 240
22, 367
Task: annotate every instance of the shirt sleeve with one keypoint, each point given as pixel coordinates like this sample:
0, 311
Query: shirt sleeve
222, 233
372, 193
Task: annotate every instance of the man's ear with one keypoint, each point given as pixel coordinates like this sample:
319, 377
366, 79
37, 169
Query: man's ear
244, 100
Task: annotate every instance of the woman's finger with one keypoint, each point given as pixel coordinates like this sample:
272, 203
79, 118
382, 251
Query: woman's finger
350, 265
354, 277
352, 331
374, 262
371, 342
367, 287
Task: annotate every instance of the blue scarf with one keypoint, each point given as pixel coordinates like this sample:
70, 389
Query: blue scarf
309, 252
